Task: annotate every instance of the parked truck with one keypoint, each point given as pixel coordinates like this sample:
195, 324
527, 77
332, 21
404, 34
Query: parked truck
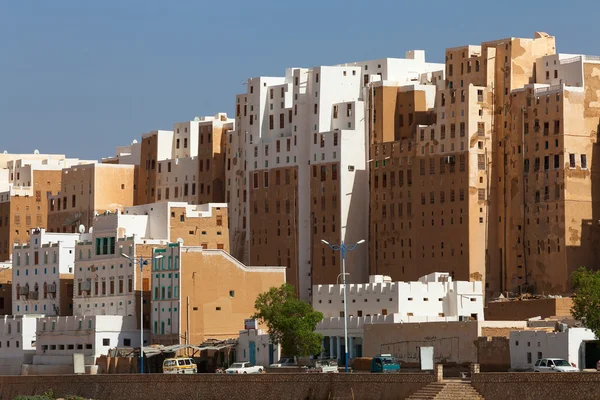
309, 364
385, 363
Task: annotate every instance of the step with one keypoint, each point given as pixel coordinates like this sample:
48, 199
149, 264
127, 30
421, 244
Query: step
447, 391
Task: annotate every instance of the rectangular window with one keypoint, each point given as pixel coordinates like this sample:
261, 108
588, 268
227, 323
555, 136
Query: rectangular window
583, 161
571, 160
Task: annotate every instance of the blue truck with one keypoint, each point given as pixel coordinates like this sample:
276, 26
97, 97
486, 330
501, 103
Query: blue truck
385, 363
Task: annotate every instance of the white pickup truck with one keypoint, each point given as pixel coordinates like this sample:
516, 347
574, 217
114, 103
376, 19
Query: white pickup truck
244, 368
310, 364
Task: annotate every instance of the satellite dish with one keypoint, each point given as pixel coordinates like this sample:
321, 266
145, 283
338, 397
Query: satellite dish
180, 240
81, 228
134, 141
36, 151
5, 152
196, 119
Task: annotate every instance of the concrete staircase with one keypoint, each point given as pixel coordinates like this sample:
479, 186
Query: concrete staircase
448, 391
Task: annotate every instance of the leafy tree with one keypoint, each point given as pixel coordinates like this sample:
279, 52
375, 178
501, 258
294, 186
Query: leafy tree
291, 321
586, 302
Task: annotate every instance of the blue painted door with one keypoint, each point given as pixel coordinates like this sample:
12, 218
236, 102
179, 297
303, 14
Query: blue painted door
252, 347
271, 350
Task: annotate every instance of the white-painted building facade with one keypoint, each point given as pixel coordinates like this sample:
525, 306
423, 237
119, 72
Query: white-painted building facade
528, 346
105, 282
58, 338
17, 342
129, 154
37, 270
434, 297
254, 345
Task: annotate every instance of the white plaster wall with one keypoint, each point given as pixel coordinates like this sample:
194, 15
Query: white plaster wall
408, 299
165, 144
568, 66
183, 172
576, 344
79, 334
17, 338
549, 344
50, 245
112, 267
262, 340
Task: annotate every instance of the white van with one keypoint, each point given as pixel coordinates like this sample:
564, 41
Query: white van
179, 365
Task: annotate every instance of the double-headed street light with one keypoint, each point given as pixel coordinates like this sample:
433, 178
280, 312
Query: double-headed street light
343, 248
141, 261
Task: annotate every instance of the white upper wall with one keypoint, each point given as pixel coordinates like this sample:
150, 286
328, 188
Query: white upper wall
403, 70
526, 347
36, 271
434, 295
18, 336
557, 69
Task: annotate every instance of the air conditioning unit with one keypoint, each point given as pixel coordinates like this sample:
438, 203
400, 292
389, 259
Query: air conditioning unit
449, 159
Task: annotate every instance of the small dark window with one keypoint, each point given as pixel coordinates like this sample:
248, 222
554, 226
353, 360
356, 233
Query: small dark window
105, 342
126, 342
218, 308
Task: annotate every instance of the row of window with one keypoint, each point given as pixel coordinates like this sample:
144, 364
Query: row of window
96, 305
185, 192
556, 162
88, 346
17, 220
442, 196
35, 271
36, 258
287, 175
166, 292
99, 288
166, 263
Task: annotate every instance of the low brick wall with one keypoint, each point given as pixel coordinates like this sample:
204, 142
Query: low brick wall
218, 386
536, 386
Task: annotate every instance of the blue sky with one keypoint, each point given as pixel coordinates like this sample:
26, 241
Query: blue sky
81, 77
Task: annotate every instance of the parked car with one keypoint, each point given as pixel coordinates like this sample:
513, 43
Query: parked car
244, 368
553, 365
180, 365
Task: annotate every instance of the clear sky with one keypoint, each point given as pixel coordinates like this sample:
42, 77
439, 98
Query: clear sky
81, 77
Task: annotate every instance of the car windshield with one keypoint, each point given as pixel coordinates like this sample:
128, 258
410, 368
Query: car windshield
388, 361
561, 363
237, 365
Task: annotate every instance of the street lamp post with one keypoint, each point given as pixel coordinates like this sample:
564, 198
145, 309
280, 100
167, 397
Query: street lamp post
343, 248
141, 263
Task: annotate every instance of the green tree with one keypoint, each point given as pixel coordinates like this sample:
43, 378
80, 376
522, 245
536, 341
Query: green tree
291, 321
586, 302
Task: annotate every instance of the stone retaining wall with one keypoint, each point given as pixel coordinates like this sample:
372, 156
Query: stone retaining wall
536, 386
217, 386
